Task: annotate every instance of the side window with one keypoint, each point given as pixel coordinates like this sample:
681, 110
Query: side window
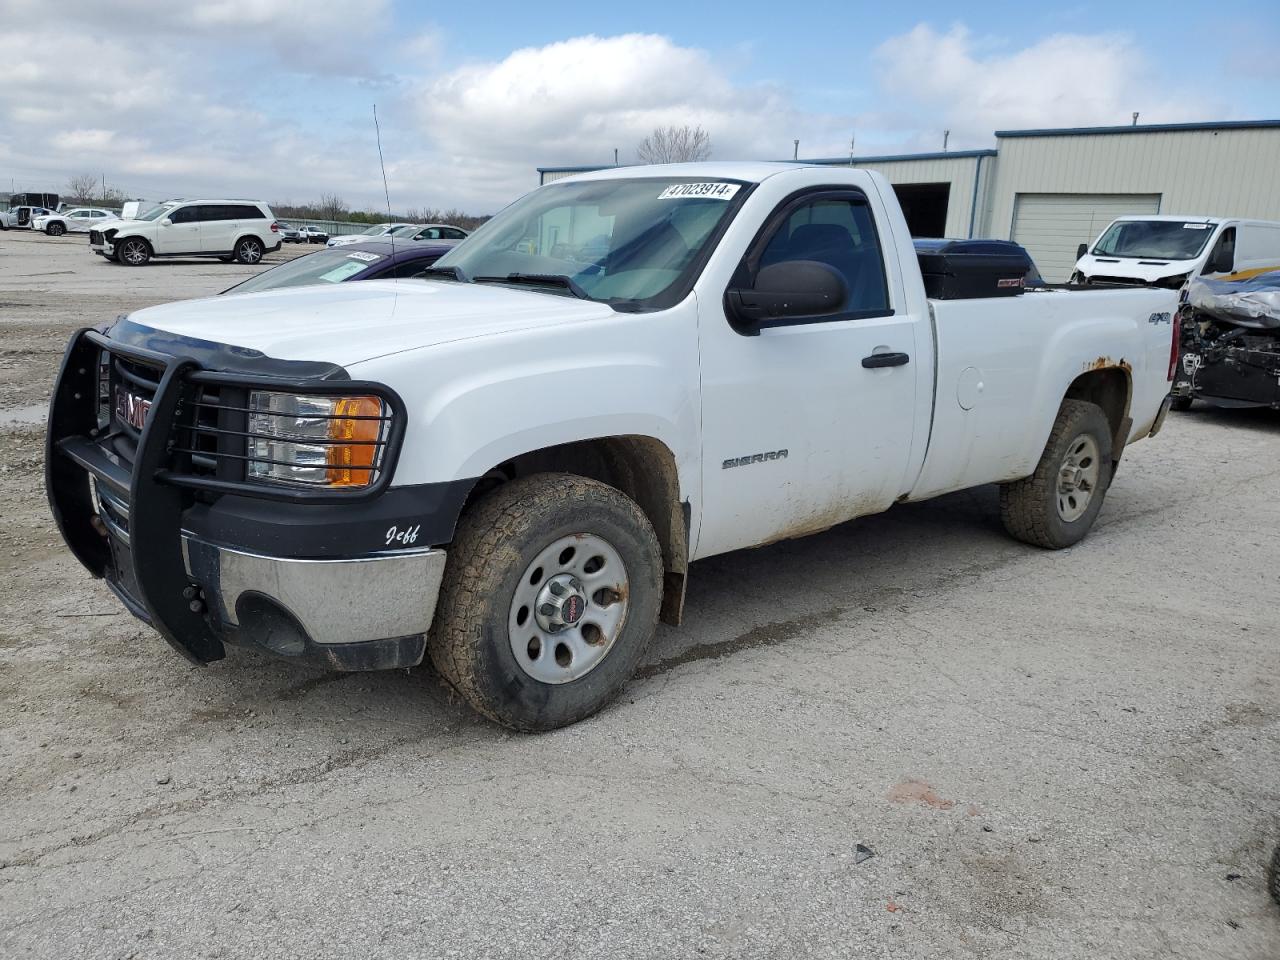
414, 268
184, 215
839, 232
246, 211
453, 235
1222, 259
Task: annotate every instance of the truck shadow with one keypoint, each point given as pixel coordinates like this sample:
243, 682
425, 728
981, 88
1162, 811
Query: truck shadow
1256, 418
736, 602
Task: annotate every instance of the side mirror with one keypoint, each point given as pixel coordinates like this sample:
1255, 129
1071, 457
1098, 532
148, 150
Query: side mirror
787, 290
1082, 250
166, 222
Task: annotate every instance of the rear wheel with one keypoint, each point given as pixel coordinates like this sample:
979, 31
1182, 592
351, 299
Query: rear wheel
1057, 505
55, 229
133, 252
549, 599
248, 250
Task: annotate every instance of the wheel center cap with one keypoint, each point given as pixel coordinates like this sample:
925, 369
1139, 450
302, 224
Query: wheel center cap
561, 603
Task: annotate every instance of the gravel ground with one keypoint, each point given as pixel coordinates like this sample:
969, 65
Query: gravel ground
1058, 755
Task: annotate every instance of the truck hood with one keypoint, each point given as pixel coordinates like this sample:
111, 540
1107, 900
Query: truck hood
1147, 269
346, 323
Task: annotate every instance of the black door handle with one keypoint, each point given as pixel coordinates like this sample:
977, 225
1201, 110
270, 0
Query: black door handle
885, 360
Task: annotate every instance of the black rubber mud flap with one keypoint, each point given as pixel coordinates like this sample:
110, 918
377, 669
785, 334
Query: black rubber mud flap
155, 530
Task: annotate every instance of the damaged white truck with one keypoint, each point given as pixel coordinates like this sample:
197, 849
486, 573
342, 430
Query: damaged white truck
509, 466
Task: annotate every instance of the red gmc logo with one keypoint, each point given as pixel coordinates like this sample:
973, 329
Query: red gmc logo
130, 409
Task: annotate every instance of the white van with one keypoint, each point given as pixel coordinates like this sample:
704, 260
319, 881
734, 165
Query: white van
1170, 250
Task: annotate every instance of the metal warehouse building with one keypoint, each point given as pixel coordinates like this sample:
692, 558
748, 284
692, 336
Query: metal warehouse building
1052, 190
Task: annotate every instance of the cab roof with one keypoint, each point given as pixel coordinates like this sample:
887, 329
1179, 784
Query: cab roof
747, 171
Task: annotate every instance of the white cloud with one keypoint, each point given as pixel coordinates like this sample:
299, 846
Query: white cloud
577, 100
946, 80
270, 98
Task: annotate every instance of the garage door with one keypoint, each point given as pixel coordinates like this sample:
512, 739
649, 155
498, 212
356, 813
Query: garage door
1052, 225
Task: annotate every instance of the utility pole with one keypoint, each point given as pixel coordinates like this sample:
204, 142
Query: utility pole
615, 156
795, 153
1135, 118
104, 189
852, 140
946, 135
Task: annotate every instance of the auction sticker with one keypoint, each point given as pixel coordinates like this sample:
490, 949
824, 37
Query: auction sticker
706, 191
366, 257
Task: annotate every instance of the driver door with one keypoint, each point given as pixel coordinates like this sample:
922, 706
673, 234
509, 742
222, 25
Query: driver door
803, 427
182, 234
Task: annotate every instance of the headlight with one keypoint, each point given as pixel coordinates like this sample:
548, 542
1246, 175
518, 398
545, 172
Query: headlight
316, 440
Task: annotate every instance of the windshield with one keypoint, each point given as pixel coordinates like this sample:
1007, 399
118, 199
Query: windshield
374, 231
327, 266
1154, 239
635, 243
400, 230
155, 213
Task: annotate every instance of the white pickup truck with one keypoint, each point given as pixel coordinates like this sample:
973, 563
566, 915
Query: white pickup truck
508, 467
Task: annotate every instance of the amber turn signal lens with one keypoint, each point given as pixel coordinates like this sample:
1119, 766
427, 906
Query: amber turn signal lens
357, 428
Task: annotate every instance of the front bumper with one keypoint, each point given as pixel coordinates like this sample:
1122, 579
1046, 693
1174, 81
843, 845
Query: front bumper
358, 613
139, 522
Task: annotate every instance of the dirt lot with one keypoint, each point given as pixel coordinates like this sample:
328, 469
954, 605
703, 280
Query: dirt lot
1052, 755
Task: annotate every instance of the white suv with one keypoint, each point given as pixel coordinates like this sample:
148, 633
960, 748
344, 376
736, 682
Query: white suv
75, 220
241, 230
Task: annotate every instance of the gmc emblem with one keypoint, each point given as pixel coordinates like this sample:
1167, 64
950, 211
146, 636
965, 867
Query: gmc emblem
130, 409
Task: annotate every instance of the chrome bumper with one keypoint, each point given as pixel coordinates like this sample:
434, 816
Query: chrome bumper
334, 602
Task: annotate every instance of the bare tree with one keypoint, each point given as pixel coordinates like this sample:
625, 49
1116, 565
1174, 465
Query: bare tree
675, 145
81, 187
332, 206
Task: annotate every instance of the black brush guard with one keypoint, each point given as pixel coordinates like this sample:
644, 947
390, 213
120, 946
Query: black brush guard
144, 565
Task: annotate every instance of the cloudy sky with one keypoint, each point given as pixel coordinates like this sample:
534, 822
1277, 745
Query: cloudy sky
273, 99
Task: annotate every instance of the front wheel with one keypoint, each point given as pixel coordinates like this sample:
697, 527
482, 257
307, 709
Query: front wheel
1057, 505
550, 597
133, 252
249, 250
55, 229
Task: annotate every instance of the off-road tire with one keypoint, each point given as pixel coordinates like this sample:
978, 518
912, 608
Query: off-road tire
1181, 404
243, 249
1028, 507
496, 540
1273, 875
120, 247
55, 229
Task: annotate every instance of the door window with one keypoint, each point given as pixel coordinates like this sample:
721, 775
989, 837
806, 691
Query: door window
185, 215
1224, 252
838, 231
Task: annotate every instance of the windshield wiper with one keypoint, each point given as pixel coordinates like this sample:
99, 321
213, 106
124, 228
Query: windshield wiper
540, 280
452, 273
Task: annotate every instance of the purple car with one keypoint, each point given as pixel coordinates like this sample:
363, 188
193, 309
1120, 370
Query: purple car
367, 260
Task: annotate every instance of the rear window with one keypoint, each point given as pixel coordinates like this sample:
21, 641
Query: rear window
326, 266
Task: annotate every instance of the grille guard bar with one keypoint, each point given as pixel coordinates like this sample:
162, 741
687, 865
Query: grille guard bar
158, 496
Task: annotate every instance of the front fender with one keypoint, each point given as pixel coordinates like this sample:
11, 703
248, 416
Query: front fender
474, 404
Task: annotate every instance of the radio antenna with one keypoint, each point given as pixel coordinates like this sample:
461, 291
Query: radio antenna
386, 191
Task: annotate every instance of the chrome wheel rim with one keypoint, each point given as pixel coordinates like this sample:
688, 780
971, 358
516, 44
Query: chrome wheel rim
249, 252
1078, 477
135, 252
568, 609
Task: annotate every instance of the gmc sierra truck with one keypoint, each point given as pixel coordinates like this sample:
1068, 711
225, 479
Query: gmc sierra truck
509, 466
